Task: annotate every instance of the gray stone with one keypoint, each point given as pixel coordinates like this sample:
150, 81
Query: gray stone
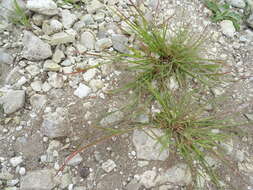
227, 28
50, 65
179, 175
46, 7
36, 86
33, 70
34, 48
12, 101
66, 180
148, 178
113, 116
147, 146
82, 91
38, 179
58, 56
5, 58
88, 40
77, 159
94, 6
54, 125
237, 3
120, 43
108, 166
38, 101
103, 44
68, 19
67, 36
38, 19
56, 80
249, 21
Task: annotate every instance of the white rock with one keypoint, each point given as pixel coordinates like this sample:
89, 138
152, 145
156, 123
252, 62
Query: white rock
88, 40
33, 70
56, 25
12, 101
227, 28
58, 56
56, 80
50, 65
89, 74
108, 166
46, 7
96, 84
77, 159
149, 148
15, 161
82, 91
103, 44
94, 6
68, 19
22, 171
36, 86
34, 48
148, 178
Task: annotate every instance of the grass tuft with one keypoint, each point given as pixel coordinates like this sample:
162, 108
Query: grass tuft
19, 16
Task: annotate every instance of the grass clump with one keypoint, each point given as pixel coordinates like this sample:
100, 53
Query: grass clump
222, 12
19, 16
162, 52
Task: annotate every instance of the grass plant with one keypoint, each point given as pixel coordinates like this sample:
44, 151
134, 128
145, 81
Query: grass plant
19, 16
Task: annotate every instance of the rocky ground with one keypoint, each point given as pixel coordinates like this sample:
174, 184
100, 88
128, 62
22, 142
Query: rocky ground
46, 113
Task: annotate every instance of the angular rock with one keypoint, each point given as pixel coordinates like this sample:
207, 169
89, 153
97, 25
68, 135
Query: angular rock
5, 58
38, 101
68, 19
54, 125
94, 6
82, 91
36, 85
33, 70
45, 7
56, 80
179, 174
38, 179
227, 28
148, 178
52, 26
114, 116
50, 65
68, 36
120, 43
58, 56
103, 44
88, 75
88, 40
147, 147
13, 101
34, 48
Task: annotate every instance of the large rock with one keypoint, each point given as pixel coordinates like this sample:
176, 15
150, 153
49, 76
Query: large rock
55, 125
46, 7
38, 180
67, 36
13, 101
34, 48
5, 58
147, 146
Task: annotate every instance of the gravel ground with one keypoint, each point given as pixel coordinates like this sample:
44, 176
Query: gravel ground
46, 114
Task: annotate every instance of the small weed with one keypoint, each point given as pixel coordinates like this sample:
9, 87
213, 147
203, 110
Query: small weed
222, 12
70, 2
19, 17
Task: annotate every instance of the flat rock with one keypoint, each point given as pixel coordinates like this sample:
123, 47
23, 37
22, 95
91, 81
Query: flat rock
13, 101
67, 36
88, 40
147, 147
120, 43
54, 125
34, 48
103, 44
50, 65
38, 180
45, 7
